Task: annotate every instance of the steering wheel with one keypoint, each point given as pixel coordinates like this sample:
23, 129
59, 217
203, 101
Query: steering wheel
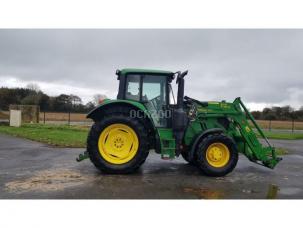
156, 102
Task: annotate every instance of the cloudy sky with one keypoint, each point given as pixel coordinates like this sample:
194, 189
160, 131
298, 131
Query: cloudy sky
264, 67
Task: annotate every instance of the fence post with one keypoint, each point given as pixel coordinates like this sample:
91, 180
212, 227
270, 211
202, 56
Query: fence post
68, 117
269, 127
44, 117
293, 125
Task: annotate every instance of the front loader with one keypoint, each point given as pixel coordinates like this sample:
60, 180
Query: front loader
144, 117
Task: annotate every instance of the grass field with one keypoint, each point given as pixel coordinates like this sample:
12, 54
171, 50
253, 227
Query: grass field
283, 135
75, 136
281, 151
56, 135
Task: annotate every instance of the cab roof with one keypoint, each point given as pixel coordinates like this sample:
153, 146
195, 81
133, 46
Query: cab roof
144, 71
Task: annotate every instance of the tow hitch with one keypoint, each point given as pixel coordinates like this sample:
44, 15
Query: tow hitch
82, 157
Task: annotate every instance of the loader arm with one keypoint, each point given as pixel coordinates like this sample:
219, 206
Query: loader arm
253, 149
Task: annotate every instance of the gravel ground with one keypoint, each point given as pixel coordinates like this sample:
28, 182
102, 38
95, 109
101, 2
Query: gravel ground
31, 170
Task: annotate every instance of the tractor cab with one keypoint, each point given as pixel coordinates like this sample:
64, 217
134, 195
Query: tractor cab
149, 87
152, 88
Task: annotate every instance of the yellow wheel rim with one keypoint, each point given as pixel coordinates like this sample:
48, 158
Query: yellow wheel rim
118, 143
217, 155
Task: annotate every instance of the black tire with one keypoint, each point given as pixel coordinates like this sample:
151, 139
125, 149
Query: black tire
100, 162
184, 155
205, 166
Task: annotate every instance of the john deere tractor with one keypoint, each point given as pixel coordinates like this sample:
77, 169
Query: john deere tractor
144, 117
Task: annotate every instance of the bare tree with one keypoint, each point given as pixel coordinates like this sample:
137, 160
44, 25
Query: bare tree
74, 99
33, 86
99, 98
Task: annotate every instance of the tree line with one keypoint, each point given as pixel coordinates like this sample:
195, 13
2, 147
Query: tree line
279, 113
32, 95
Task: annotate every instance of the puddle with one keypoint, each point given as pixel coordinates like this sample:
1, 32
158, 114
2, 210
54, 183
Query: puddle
297, 156
290, 191
205, 193
272, 191
47, 180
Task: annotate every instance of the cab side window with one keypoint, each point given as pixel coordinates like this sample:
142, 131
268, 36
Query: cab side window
133, 87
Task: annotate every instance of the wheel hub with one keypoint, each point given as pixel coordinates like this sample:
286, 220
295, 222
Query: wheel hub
217, 155
118, 143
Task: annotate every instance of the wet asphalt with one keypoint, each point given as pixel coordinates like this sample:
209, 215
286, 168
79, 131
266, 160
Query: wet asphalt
31, 170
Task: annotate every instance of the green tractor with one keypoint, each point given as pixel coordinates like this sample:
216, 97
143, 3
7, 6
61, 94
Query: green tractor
208, 135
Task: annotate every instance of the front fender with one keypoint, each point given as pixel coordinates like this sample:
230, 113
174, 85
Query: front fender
108, 104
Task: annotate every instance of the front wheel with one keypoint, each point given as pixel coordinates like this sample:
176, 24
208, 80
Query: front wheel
117, 144
217, 155
185, 155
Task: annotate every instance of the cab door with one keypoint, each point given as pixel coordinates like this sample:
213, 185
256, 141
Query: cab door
155, 98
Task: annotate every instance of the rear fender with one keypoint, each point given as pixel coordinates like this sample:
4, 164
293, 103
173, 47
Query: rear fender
108, 105
132, 108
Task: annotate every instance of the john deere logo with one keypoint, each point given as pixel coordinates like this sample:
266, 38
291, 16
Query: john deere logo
225, 106
247, 129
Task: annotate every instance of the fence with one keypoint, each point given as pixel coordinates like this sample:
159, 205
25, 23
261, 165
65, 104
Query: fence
80, 119
4, 116
55, 118
280, 125
64, 118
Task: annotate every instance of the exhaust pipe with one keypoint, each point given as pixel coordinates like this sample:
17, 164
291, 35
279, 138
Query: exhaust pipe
180, 119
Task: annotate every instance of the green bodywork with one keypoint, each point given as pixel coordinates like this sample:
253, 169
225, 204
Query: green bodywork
232, 119
240, 129
207, 118
165, 135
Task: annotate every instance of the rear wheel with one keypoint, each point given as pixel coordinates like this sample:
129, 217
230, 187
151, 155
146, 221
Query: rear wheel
117, 144
217, 155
